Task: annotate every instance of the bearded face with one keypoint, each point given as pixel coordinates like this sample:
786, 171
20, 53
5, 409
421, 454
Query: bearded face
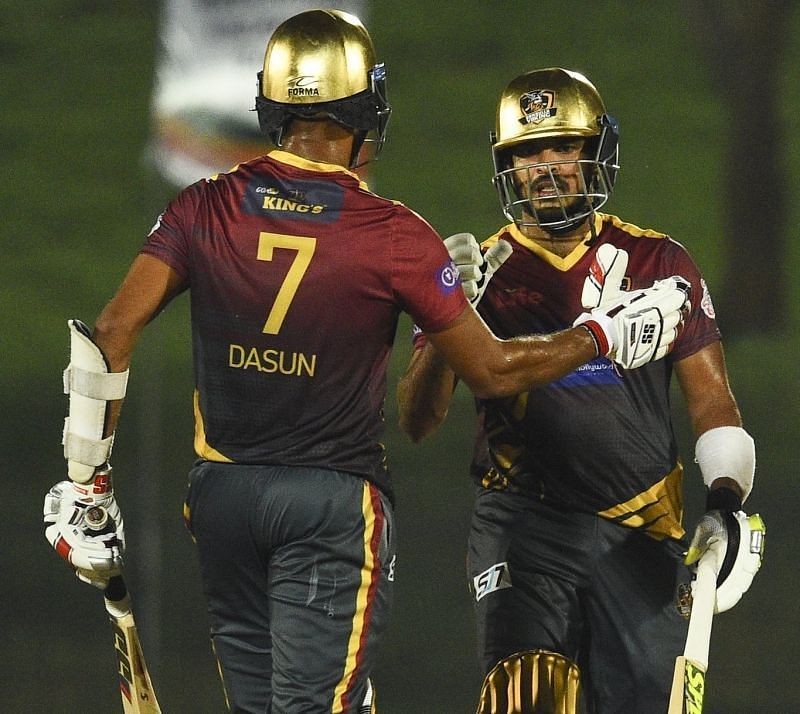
550, 178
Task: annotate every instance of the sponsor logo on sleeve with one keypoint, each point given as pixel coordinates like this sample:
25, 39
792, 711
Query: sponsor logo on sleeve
156, 225
447, 277
705, 302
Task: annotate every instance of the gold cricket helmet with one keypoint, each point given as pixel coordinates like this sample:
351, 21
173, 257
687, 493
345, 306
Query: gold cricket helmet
322, 63
550, 103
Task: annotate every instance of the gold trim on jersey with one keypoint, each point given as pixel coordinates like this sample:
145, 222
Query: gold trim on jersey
368, 575
630, 228
658, 510
556, 261
308, 165
579, 250
201, 447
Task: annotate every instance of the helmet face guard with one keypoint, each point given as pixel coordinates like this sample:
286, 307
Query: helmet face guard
551, 104
321, 64
597, 174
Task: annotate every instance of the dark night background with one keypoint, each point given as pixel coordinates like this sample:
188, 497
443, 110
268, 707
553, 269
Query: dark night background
707, 98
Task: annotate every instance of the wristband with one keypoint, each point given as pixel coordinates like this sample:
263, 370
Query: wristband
723, 499
418, 337
599, 337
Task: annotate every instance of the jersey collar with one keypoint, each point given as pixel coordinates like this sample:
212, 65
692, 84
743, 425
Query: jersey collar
559, 263
299, 162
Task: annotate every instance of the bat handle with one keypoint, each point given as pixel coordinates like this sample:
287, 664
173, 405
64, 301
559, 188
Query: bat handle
116, 589
704, 601
116, 598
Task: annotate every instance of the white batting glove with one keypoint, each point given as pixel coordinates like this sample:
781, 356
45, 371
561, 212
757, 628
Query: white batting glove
639, 326
737, 541
603, 285
84, 525
475, 268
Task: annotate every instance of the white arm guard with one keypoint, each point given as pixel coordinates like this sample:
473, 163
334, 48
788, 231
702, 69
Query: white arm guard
727, 452
90, 386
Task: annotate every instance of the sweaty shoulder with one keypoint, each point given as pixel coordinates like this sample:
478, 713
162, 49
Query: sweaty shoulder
654, 255
616, 224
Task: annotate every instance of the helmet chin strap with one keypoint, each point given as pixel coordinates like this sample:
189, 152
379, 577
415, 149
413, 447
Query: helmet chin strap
359, 136
593, 238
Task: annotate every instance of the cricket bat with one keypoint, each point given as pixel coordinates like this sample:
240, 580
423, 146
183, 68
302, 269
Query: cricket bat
689, 678
135, 686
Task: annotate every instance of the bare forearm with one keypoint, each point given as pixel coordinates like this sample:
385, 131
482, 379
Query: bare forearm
424, 393
704, 382
498, 368
148, 286
723, 448
536, 360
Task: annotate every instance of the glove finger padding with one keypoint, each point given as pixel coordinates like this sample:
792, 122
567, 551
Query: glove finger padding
603, 285
497, 255
493, 258
465, 252
475, 268
464, 249
737, 541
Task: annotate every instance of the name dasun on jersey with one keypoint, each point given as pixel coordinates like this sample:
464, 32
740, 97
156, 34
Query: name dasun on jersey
272, 361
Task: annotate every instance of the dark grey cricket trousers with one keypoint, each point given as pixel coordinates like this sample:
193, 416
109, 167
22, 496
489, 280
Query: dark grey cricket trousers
297, 567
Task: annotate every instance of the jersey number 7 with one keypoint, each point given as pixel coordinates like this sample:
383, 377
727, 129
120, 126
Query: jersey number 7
305, 247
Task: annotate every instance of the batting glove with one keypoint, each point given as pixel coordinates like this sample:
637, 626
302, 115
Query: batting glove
84, 525
475, 267
603, 284
736, 540
639, 326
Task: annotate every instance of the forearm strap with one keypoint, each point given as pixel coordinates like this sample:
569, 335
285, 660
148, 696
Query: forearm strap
727, 452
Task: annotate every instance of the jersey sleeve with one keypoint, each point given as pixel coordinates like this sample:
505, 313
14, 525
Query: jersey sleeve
168, 240
424, 279
700, 327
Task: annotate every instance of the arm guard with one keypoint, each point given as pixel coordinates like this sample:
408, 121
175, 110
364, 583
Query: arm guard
90, 386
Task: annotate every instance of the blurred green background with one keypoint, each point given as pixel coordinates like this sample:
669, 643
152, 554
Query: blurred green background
77, 202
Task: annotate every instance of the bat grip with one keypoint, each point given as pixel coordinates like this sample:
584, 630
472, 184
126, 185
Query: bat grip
116, 590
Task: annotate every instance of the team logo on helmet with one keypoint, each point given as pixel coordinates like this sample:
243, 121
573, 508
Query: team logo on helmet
303, 85
537, 106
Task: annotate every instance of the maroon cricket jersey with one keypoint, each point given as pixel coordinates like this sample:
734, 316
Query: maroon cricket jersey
297, 276
600, 439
